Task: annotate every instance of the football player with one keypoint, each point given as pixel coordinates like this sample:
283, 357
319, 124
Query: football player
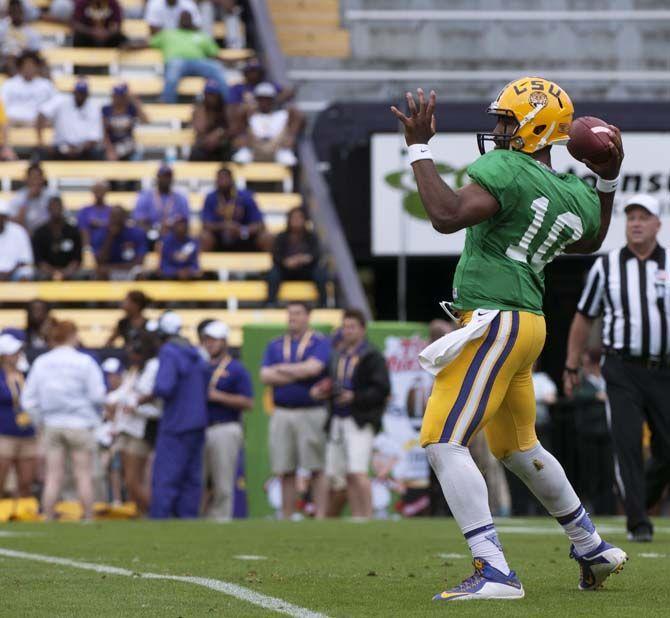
519, 214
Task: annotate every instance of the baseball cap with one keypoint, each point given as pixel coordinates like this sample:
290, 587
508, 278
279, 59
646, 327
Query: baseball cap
648, 202
216, 330
169, 323
9, 344
5, 209
120, 89
164, 169
265, 89
112, 365
81, 86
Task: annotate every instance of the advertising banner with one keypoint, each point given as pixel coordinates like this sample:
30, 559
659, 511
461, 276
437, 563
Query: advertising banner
399, 224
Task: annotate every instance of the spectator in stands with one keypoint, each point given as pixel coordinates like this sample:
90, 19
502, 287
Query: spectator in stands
135, 422
156, 210
179, 254
25, 93
97, 23
133, 323
187, 51
38, 322
292, 364
229, 394
271, 132
29, 205
57, 245
15, 36
122, 250
18, 445
16, 253
296, 257
59, 11
30, 11
254, 74
64, 394
93, 220
213, 133
77, 125
119, 119
181, 383
357, 391
231, 218
6, 151
165, 14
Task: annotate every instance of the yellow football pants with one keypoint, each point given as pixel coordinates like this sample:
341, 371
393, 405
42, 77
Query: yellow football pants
489, 386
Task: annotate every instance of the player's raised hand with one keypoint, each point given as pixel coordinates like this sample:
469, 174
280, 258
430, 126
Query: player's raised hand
610, 168
420, 121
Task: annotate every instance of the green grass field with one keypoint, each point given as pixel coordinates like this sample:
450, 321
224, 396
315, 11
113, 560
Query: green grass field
335, 568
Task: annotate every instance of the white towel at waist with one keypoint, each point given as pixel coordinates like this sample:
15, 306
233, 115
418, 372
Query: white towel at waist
440, 353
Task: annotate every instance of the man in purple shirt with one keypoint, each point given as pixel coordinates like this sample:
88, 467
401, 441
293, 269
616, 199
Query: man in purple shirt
179, 253
231, 219
122, 249
292, 364
156, 209
93, 220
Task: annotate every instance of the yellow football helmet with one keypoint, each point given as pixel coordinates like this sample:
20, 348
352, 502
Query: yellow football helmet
541, 110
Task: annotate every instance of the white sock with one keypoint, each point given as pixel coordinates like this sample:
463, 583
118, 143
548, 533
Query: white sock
465, 491
545, 477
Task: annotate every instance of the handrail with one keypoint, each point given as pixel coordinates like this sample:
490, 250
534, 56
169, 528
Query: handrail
312, 183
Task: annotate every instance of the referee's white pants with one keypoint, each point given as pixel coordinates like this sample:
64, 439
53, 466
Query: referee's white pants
222, 449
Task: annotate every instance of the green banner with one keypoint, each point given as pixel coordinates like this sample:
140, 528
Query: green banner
398, 340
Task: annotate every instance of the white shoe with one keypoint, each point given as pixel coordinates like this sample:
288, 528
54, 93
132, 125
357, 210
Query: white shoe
596, 566
486, 582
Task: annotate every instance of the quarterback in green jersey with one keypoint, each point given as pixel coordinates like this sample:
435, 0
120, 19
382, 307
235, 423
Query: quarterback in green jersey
519, 214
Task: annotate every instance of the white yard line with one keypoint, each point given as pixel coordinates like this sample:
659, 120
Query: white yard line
233, 590
250, 557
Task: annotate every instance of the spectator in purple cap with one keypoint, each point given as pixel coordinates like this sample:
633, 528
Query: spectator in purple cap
77, 124
254, 74
123, 248
179, 254
156, 209
211, 125
119, 119
93, 220
97, 23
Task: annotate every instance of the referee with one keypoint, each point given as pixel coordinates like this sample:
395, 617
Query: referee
630, 286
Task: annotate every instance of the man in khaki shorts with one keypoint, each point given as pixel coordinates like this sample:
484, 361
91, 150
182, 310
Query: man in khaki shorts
357, 392
292, 364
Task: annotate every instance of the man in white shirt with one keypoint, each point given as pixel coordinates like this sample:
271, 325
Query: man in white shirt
77, 123
16, 253
164, 14
16, 36
25, 93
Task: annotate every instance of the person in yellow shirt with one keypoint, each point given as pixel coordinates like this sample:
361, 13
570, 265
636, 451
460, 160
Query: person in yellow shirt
6, 151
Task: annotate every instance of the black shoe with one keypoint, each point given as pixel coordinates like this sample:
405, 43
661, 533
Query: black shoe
641, 534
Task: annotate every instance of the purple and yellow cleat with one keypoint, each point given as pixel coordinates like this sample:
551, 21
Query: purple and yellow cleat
596, 566
485, 583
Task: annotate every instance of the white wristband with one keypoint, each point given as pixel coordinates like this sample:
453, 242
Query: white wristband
416, 152
605, 185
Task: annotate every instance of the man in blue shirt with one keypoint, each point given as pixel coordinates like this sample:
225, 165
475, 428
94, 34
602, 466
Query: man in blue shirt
156, 209
229, 394
181, 382
122, 250
93, 220
179, 253
292, 364
231, 218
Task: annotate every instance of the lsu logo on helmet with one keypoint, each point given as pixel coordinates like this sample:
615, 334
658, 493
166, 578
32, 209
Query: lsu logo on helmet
540, 110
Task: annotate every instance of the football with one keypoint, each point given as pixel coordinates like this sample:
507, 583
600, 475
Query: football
590, 139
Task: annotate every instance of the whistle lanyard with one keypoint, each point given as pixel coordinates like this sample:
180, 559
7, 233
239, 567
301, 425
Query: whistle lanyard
346, 365
226, 208
164, 208
15, 385
302, 346
220, 371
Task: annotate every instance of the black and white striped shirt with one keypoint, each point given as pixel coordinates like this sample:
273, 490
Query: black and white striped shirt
634, 296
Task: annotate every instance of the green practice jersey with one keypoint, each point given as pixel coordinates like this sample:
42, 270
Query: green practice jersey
541, 212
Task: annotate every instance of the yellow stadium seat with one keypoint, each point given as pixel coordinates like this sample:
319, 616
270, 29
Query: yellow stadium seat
150, 137
146, 170
161, 291
232, 262
167, 112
